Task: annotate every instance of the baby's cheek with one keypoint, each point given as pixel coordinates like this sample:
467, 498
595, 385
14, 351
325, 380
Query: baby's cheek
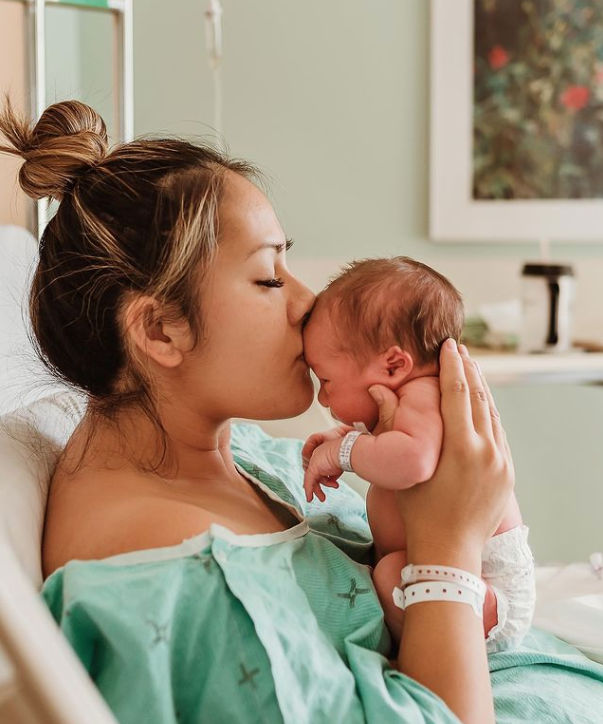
369, 411
360, 409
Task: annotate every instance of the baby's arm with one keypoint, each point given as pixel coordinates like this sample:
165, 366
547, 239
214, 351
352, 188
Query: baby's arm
409, 453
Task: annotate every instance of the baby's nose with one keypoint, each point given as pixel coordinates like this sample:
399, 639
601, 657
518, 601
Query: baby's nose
322, 397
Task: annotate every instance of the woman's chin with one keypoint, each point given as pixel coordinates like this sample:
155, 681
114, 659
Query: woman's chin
300, 403
292, 404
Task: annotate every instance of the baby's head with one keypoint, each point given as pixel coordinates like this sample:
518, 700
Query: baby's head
381, 321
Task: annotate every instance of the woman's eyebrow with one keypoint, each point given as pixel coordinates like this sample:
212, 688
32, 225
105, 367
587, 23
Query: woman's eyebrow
277, 246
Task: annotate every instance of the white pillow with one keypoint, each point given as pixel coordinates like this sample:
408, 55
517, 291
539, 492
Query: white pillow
31, 440
21, 372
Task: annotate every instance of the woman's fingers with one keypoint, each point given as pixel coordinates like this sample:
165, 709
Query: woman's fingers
499, 434
455, 404
485, 414
480, 406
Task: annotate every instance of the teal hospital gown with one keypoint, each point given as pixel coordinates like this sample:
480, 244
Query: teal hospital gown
282, 627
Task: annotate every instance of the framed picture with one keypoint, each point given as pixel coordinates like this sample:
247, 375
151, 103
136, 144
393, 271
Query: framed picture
516, 120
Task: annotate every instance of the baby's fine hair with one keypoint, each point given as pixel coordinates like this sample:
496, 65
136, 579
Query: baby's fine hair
377, 303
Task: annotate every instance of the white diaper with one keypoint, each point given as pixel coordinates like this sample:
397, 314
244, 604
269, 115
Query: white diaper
508, 566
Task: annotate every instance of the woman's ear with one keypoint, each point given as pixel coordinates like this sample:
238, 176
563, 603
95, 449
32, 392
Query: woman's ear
152, 336
396, 364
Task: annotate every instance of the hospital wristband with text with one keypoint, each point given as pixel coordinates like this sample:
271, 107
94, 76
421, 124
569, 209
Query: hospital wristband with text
345, 451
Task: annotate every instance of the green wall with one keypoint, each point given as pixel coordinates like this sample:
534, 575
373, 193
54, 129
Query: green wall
331, 100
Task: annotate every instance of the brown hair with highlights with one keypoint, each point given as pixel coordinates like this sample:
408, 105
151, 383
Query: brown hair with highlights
377, 303
141, 218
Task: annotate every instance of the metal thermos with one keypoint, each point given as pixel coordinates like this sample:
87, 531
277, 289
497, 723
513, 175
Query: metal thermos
547, 300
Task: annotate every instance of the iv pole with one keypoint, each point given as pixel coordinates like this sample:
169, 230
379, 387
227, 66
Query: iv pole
213, 37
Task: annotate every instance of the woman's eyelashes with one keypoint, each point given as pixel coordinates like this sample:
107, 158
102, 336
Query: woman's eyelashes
276, 282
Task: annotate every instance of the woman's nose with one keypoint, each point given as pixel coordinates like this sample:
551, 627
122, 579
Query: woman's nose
302, 301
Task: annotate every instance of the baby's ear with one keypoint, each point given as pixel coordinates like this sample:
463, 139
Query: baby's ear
396, 364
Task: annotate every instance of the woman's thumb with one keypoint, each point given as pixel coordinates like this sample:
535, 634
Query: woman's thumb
388, 403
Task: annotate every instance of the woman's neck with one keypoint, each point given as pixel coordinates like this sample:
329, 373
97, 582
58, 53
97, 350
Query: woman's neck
189, 447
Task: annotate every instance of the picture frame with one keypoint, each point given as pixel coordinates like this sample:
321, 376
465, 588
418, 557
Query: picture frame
455, 215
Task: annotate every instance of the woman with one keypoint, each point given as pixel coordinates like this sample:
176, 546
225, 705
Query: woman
162, 291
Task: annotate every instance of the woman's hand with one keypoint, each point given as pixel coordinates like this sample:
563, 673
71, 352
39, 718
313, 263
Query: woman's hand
462, 505
448, 520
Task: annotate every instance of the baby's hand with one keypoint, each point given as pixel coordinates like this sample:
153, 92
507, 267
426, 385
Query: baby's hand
323, 469
335, 433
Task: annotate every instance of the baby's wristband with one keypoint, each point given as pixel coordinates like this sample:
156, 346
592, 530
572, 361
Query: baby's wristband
345, 450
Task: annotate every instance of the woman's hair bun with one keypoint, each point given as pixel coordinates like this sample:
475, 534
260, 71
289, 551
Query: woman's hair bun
69, 139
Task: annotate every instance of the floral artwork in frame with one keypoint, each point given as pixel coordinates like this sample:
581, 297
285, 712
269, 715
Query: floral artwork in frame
517, 120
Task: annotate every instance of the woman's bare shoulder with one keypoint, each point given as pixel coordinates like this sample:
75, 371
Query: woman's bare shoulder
91, 516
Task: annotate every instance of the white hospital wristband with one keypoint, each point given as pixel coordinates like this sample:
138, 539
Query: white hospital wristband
439, 591
414, 574
345, 450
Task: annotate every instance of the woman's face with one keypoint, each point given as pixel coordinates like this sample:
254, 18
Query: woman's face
249, 362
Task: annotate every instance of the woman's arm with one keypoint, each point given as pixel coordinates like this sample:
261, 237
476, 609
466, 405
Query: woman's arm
443, 647
448, 521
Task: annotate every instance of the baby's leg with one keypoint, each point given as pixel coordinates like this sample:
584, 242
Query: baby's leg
386, 576
389, 535
512, 517
385, 521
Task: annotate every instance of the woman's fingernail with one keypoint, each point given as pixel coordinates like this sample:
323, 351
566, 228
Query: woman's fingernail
376, 395
450, 343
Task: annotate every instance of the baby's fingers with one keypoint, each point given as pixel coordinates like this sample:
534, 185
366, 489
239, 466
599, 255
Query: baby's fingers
311, 444
320, 493
330, 482
309, 487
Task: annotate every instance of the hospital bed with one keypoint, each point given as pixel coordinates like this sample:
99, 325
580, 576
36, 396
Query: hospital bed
41, 679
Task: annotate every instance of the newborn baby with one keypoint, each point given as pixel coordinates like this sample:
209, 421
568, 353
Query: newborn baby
382, 322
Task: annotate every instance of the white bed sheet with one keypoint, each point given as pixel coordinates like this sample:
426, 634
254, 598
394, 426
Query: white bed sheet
569, 604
